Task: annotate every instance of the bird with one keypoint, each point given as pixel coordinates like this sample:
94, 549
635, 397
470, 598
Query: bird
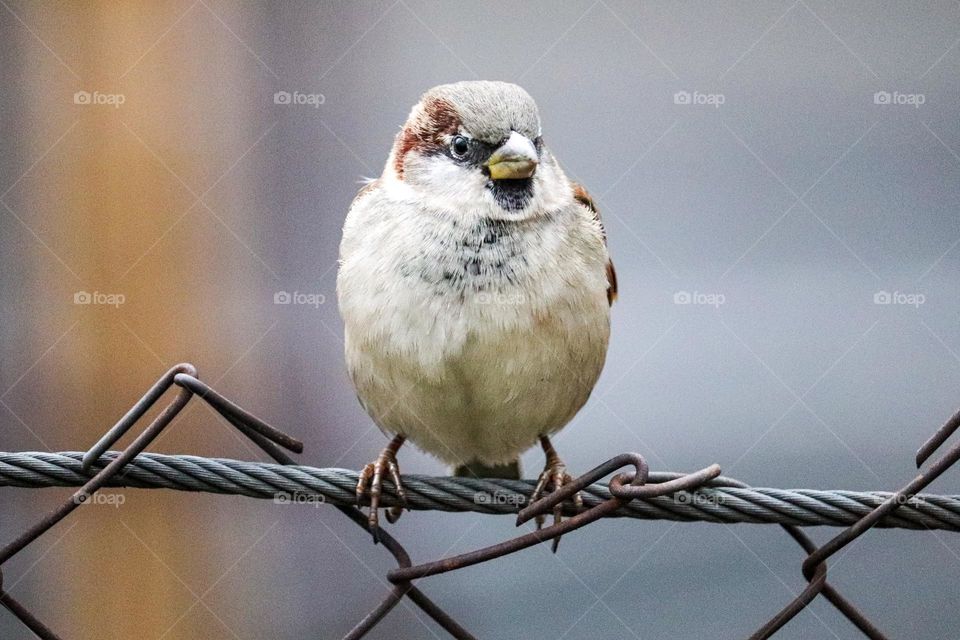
475, 288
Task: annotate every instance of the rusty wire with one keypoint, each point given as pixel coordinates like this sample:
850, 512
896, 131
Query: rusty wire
623, 487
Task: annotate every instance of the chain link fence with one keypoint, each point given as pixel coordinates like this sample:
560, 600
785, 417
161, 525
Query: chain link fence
633, 491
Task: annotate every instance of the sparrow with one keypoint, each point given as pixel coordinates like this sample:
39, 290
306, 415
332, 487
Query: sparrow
475, 289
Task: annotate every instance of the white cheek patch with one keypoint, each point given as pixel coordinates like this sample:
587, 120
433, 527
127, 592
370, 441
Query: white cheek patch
553, 190
448, 184
437, 182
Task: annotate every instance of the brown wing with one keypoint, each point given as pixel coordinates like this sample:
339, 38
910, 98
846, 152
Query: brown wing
580, 195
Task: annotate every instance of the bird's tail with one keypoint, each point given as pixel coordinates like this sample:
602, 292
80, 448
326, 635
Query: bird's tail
475, 469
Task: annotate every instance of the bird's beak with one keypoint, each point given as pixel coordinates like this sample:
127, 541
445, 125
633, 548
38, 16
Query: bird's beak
514, 160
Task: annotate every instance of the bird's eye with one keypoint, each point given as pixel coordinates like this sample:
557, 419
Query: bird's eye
459, 146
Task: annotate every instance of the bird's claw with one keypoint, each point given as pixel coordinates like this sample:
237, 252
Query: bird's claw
553, 478
370, 484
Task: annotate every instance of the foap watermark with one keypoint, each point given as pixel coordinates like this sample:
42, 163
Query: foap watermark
514, 298
298, 98
100, 499
297, 497
911, 501
499, 497
99, 298
698, 498
298, 297
699, 298
96, 98
902, 99
699, 99
904, 298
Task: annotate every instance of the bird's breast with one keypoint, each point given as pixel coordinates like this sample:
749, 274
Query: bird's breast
481, 261
421, 287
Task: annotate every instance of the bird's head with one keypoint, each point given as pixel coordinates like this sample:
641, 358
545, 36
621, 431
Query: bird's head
475, 147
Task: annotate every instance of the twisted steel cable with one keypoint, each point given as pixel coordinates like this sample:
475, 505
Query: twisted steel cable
703, 495
716, 501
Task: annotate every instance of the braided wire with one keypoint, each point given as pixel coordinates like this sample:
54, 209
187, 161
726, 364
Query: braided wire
716, 501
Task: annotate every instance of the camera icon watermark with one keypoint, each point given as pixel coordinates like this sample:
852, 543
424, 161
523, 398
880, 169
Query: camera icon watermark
500, 298
298, 98
297, 497
912, 501
700, 298
100, 499
896, 98
299, 298
499, 497
96, 297
914, 299
96, 98
698, 498
714, 100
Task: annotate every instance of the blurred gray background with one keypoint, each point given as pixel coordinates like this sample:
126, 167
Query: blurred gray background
780, 165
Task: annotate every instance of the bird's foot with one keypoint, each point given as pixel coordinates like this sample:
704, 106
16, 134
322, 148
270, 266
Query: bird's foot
370, 484
553, 478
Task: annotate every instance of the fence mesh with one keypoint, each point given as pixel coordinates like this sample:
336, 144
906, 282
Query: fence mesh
633, 491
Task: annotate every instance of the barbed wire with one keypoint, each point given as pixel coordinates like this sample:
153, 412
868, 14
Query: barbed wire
703, 495
719, 500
